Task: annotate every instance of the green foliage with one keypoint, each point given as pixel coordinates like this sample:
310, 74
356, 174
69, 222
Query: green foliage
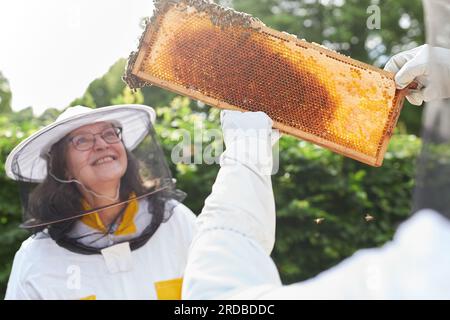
314, 183
11, 132
195, 180
5, 95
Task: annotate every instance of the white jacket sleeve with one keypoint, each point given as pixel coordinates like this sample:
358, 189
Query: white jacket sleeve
237, 224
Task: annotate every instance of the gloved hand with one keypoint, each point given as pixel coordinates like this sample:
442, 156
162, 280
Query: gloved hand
238, 125
249, 138
242, 197
427, 65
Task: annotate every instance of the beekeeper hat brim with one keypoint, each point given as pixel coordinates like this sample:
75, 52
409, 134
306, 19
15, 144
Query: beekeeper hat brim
29, 155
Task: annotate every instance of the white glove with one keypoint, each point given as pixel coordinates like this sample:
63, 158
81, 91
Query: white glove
249, 139
427, 65
238, 125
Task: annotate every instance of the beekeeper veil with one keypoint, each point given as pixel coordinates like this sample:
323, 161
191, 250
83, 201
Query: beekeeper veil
94, 178
433, 166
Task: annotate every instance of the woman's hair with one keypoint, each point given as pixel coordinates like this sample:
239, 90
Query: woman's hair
52, 200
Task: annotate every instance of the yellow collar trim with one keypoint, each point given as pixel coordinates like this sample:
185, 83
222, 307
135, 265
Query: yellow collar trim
127, 225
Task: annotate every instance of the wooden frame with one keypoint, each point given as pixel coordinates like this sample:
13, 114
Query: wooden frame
146, 46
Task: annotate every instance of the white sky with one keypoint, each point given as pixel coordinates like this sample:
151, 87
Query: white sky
50, 50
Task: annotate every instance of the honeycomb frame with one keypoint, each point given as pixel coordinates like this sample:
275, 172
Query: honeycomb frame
379, 100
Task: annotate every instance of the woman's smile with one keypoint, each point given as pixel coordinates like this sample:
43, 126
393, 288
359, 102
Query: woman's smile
104, 160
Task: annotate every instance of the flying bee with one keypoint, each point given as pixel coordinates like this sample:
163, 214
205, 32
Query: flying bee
319, 220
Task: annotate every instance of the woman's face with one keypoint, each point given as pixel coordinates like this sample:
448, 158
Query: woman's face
103, 164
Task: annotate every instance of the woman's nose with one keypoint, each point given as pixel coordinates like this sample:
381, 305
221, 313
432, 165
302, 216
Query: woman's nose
99, 143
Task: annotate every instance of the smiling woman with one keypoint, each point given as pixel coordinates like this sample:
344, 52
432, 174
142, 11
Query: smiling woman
99, 163
95, 184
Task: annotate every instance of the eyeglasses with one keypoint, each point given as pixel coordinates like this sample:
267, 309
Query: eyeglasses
86, 141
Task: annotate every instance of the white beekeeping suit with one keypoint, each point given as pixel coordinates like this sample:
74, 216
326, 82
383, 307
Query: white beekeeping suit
110, 154
229, 257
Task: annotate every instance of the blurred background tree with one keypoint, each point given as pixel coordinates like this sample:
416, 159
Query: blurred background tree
327, 206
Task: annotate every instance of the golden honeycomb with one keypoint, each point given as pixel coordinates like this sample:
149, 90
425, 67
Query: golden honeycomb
231, 60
